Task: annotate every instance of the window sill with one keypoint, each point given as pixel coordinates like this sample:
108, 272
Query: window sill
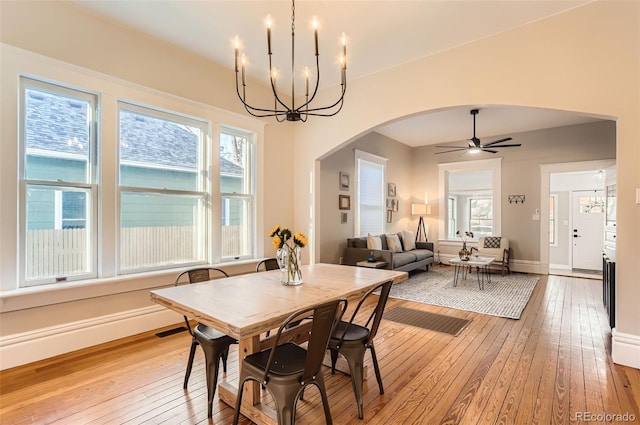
38, 296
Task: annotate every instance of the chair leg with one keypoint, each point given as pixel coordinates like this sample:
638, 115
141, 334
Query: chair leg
236, 414
325, 400
374, 359
212, 360
355, 357
192, 353
334, 359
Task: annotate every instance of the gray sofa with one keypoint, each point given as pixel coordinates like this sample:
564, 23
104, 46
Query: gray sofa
422, 256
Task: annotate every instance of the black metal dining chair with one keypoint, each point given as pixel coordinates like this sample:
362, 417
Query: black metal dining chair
285, 370
352, 341
267, 264
214, 344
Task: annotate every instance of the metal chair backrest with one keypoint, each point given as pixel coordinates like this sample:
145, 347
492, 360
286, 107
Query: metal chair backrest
199, 274
267, 264
324, 318
373, 322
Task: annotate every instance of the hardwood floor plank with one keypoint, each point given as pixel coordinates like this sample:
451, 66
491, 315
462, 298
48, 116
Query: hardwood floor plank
541, 369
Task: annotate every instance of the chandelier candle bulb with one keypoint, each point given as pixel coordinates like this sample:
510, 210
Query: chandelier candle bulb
306, 80
236, 43
269, 34
315, 34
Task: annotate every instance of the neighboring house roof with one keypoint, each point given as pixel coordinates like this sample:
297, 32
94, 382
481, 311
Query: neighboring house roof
56, 124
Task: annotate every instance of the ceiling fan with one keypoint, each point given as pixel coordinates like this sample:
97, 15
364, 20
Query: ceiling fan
474, 143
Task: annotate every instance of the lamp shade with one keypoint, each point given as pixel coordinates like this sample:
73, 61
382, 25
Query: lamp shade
420, 209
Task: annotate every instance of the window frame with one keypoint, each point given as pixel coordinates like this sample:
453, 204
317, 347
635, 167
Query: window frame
202, 191
249, 197
91, 183
378, 160
445, 169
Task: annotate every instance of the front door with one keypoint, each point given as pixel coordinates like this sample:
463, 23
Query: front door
588, 229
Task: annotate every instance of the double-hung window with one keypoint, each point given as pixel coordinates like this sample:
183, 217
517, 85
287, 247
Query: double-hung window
59, 191
370, 191
163, 189
237, 193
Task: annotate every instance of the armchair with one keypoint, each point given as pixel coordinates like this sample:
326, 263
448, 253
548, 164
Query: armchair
496, 247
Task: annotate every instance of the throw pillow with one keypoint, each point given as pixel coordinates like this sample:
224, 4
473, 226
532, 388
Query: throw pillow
492, 242
373, 242
408, 240
393, 242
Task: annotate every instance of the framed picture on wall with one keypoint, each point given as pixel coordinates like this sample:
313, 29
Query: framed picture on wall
344, 181
343, 218
394, 205
389, 216
344, 202
391, 190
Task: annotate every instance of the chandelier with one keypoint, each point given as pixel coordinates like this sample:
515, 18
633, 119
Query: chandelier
281, 110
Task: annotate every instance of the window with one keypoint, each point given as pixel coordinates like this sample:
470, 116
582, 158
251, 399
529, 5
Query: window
163, 196
553, 224
470, 189
481, 216
58, 142
452, 212
370, 192
237, 194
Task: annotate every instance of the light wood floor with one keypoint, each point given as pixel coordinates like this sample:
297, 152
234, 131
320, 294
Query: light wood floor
546, 368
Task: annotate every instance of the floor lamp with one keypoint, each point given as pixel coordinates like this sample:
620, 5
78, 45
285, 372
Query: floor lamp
421, 210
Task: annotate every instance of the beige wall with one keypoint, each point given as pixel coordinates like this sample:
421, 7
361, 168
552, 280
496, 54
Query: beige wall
333, 234
586, 60
65, 32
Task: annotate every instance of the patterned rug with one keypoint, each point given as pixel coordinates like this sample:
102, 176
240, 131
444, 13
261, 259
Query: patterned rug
505, 296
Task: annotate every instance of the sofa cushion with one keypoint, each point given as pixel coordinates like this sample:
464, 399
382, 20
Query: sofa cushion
357, 242
402, 258
408, 240
422, 254
373, 242
393, 242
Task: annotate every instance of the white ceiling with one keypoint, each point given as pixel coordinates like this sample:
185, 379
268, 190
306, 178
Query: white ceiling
381, 35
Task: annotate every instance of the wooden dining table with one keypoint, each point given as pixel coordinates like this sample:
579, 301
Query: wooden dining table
247, 306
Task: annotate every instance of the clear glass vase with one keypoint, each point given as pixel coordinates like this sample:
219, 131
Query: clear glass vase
289, 261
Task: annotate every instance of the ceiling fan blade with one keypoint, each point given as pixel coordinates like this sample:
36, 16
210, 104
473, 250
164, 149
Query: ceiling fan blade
505, 146
453, 150
499, 141
451, 147
489, 150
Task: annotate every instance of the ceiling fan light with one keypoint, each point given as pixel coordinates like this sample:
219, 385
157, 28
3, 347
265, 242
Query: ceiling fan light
474, 150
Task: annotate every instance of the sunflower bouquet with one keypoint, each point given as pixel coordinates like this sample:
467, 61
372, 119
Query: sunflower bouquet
287, 245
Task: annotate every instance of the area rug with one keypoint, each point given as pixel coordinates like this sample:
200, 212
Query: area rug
505, 296
426, 320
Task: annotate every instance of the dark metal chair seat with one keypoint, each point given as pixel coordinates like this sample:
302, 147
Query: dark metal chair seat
285, 370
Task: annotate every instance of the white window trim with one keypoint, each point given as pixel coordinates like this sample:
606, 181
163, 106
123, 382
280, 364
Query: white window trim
251, 196
18, 62
366, 156
495, 166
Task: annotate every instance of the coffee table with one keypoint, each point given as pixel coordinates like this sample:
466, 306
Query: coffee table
461, 267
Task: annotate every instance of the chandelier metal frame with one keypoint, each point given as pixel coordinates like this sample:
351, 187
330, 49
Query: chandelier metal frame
281, 111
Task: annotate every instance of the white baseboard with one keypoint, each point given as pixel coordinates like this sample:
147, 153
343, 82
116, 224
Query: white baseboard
27, 347
560, 266
625, 349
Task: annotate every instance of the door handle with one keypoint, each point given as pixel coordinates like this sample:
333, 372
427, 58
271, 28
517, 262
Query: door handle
576, 236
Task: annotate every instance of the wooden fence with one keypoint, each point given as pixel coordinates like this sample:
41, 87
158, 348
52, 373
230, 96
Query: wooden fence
55, 252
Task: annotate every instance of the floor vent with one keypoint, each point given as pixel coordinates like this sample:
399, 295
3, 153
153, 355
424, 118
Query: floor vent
171, 332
